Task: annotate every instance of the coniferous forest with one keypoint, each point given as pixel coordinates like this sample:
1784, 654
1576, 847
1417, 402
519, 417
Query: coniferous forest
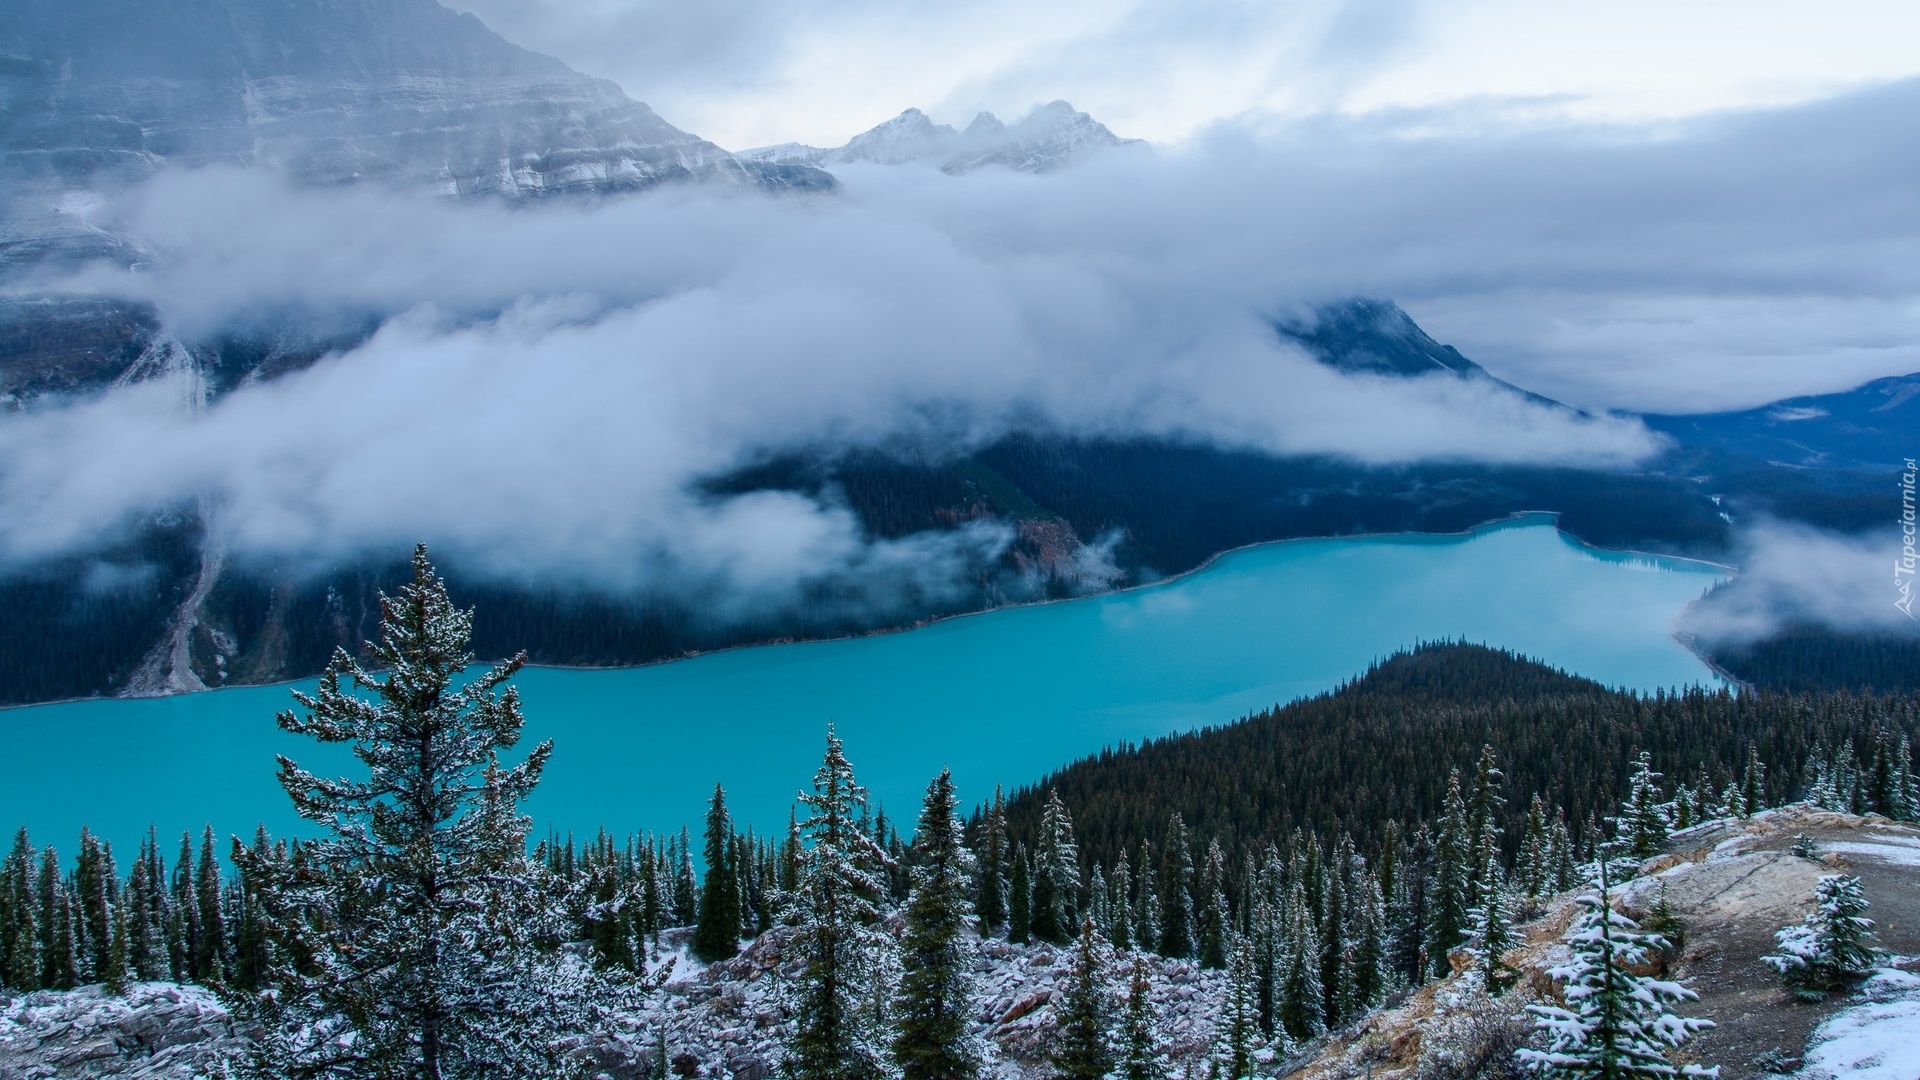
1321, 854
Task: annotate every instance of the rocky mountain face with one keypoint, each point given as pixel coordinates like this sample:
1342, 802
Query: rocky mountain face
99, 93
1051, 137
1731, 883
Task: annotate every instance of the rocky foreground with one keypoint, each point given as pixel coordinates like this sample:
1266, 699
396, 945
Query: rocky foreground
1730, 883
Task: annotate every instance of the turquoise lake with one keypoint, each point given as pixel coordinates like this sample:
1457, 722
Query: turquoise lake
1001, 697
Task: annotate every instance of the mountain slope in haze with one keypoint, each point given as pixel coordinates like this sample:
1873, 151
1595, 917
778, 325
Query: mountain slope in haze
403, 91
1051, 137
1874, 426
1084, 514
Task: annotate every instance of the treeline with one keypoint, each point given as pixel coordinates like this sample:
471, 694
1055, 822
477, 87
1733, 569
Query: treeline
62, 929
1811, 659
1374, 755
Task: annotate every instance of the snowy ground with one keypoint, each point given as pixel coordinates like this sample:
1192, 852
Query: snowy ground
1876, 1036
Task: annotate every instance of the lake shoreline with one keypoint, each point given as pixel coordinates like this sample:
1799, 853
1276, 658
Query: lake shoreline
1517, 519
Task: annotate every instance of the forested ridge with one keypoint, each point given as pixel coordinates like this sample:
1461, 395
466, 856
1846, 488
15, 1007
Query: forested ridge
1377, 750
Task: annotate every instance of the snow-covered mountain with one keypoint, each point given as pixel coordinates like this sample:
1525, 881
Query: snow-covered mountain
403, 91
1050, 137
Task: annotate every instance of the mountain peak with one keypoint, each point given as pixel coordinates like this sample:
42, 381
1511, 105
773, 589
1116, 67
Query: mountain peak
1052, 136
1365, 334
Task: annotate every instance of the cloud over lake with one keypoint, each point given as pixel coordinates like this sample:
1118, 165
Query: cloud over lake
549, 385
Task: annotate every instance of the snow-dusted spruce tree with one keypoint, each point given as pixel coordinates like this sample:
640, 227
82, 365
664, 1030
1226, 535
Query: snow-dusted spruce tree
1833, 947
936, 984
841, 997
1120, 913
1753, 783
1300, 996
1082, 1048
1175, 915
1493, 938
716, 933
1447, 919
991, 888
1616, 1025
1238, 1028
1533, 871
409, 930
1056, 875
1644, 822
1141, 1054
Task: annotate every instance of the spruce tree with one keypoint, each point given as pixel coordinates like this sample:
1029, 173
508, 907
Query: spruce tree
1056, 875
59, 962
1483, 823
1493, 938
686, 891
1141, 1055
1301, 996
936, 985
182, 938
1448, 904
1083, 1043
1146, 902
841, 996
1534, 869
97, 896
1753, 783
1833, 947
1409, 910
1616, 1025
1120, 918
1643, 825
1096, 907
1565, 866
716, 936
1365, 945
1212, 923
211, 958
1176, 892
992, 888
1020, 899
410, 919
1239, 1024
20, 961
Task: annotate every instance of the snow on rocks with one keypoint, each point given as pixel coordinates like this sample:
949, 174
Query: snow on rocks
156, 1031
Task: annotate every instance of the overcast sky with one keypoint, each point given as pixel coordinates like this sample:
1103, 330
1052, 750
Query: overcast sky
751, 72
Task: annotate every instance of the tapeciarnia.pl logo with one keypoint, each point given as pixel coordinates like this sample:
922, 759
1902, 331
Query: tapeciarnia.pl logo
1903, 566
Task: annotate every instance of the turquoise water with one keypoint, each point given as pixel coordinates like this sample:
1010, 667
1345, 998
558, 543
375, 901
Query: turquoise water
1001, 697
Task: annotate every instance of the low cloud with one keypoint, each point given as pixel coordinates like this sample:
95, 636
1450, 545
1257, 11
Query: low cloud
550, 384
1793, 573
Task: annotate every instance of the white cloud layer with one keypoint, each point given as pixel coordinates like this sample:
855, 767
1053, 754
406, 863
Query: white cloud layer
551, 382
1791, 572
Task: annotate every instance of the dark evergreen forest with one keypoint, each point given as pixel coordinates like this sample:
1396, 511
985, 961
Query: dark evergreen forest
1378, 750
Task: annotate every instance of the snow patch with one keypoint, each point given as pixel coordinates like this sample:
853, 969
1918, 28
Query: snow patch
1874, 1039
